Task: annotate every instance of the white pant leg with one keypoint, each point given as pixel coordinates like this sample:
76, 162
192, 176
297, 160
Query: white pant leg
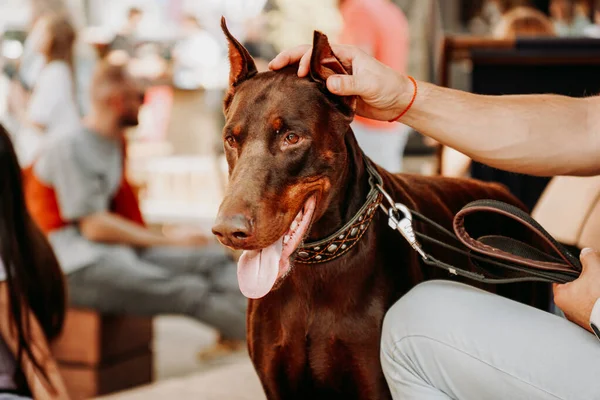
384, 146
445, 340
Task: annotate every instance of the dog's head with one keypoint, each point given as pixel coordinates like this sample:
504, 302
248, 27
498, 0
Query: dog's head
284, 143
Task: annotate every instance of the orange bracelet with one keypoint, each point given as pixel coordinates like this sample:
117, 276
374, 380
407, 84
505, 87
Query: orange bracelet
412, 101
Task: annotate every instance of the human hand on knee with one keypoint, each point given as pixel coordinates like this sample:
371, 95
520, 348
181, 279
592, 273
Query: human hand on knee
577, 299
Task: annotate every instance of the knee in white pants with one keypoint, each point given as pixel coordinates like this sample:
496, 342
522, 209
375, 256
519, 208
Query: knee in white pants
426, 310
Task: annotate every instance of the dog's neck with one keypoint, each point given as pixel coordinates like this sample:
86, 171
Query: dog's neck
350, 194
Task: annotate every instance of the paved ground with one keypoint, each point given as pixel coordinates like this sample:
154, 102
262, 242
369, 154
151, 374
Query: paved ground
181, 375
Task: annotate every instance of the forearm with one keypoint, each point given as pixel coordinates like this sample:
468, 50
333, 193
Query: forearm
536, 134
112, 228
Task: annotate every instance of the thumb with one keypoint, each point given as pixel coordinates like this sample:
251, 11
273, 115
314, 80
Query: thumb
343, 85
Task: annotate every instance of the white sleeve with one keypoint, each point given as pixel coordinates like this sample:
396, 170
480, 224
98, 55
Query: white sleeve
48, 93
595, 320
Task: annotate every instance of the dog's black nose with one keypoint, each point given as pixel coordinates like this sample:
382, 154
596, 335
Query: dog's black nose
234, 230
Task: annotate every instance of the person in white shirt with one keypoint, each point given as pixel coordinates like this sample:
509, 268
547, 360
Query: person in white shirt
197, 57
52, 108
445, 340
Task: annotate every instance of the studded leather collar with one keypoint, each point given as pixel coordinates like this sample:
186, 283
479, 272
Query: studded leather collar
350, 234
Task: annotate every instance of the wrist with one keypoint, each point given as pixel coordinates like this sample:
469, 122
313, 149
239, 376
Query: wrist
403, 93
406, 96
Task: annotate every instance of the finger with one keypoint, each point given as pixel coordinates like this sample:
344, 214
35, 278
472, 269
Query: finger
288, 57
560, 292
558, 287
304, 66
343, 85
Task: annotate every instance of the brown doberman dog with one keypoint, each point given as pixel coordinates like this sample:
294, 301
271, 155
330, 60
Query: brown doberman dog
320, 264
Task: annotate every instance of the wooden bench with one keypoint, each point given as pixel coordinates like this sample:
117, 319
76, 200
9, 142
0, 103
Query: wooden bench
99, 354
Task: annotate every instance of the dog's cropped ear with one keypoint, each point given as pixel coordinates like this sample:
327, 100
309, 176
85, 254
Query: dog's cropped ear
242, 65
323, 64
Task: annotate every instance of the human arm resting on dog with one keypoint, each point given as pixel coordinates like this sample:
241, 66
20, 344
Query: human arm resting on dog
532, 134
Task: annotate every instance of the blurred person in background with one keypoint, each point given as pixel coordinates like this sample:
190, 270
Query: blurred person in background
125, 40
488, 17
567, 21
594, 29
195, 56
524, 21
380, 29
23, 73
32, 60
78, 193
257, 44
52, 108
32, 294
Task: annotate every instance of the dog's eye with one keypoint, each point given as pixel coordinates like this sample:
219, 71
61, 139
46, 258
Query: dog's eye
230, 140
292, 138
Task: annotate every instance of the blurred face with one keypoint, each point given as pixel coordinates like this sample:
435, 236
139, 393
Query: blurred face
127, 105
134, 20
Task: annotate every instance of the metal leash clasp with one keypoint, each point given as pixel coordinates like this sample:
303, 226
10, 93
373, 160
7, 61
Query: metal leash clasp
400, 219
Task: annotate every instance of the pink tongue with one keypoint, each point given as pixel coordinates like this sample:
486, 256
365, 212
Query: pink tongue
258, 270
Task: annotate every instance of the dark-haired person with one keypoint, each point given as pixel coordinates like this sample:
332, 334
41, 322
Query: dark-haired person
445, 340
32, 294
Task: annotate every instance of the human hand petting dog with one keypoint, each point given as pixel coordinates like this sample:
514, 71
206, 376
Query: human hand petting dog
383, 93
577, 299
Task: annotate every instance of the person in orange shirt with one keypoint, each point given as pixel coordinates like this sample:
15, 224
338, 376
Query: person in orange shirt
380, 29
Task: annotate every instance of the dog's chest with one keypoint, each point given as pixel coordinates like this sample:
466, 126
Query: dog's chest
317, 345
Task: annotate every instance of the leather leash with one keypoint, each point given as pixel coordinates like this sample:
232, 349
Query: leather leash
501, 259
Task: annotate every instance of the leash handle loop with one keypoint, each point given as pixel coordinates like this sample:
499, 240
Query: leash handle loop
517, 269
